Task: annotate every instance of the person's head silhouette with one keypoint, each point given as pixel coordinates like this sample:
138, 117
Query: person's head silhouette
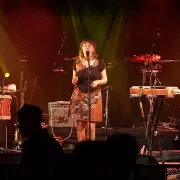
29, 119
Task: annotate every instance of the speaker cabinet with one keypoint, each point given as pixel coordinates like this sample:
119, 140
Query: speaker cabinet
59, 114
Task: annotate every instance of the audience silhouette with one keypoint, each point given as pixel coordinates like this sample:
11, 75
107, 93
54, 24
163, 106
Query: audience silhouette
121, 153
40, 151
43, 156
89, 156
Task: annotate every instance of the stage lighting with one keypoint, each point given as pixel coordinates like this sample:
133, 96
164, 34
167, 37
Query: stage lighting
6, 75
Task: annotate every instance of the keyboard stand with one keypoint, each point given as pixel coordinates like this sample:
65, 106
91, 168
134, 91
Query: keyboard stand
152, 123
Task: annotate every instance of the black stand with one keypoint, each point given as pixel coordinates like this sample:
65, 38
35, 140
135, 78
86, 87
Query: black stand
17, 141
107, 90
21, 85
151, 131
145, 72
89, 97
152, 108
153, 118
148, 67
59, 65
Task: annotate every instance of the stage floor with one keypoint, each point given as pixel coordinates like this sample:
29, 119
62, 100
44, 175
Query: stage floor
166, 136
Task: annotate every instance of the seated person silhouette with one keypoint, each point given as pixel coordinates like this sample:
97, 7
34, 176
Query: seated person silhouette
39, 148
122, 150
90, 156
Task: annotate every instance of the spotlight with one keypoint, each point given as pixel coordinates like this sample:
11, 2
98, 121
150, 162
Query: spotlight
6, 75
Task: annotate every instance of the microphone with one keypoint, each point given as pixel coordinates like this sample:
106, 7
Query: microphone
87, 53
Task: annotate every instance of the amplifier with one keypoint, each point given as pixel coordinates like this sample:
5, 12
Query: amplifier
58, 114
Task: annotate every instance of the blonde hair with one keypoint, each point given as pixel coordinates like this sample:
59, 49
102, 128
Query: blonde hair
81, 54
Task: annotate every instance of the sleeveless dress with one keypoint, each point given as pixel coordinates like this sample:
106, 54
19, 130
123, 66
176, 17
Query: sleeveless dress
79, 109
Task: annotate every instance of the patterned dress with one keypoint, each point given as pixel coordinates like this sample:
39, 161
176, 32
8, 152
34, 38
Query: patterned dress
79, 109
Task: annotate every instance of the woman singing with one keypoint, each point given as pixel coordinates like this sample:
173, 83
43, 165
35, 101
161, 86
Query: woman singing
79, 109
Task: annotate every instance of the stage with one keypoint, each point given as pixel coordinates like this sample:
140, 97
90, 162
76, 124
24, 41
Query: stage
167, 136
144, 162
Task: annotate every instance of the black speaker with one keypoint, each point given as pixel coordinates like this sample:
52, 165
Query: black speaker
148, 169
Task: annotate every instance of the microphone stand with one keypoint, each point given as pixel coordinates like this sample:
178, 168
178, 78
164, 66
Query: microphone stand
108, 90
89, 97
61, 62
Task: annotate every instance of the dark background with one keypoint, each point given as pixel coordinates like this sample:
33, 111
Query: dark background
120, 28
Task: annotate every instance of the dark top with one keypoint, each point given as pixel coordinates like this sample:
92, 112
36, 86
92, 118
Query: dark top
82, 73
41, 150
